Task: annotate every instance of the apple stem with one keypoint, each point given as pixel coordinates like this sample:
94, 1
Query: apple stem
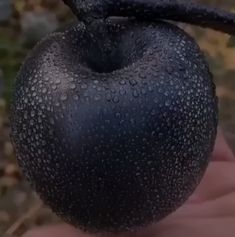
89, 10
153, 10
182, 11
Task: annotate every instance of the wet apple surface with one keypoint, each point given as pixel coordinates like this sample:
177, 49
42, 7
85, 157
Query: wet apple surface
113, 121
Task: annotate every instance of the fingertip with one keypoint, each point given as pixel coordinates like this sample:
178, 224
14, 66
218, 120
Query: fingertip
57, 231
222, 151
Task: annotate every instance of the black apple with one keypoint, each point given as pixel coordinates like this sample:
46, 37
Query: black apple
114, 119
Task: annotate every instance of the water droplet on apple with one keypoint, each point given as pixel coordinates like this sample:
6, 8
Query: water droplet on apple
75, 97
84, 86
167, 103
72, 86
115, 99
135, 93
133, 82
108, 97
58, 81
63, 97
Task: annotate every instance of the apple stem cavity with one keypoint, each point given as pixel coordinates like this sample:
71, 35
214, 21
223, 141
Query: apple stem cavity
153, 10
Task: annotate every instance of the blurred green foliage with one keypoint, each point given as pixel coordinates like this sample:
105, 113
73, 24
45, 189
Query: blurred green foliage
231, 42
28, 23
11, 55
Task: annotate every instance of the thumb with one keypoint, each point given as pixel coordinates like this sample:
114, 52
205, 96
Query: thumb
62, 230
222, 151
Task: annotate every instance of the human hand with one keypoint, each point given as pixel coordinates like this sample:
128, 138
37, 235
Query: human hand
210, 212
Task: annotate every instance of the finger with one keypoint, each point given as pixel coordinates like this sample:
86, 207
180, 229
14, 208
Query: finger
55, 231
222, 151
218, 180
194, 228
221, 207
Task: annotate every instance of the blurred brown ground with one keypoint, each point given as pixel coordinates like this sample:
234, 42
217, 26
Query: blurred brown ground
20, 209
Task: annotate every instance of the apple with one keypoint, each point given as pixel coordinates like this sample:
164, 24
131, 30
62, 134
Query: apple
114, 119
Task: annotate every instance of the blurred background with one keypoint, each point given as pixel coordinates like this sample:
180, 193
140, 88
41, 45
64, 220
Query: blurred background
25, 22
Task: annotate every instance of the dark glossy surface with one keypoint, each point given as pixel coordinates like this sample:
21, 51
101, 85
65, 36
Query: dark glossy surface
113, 122
152, 10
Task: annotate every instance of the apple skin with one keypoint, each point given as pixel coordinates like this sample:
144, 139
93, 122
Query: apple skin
113, 122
